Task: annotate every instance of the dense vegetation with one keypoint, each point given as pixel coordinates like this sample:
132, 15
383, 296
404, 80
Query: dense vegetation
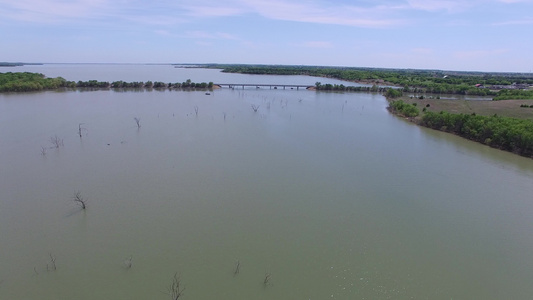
514, 94
508, 134
160, 85
28, 82
391, 93
500, 85
341, 87
25, 82
413, 81
404, 109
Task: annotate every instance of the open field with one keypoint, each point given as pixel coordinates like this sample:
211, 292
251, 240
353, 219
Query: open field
507, 108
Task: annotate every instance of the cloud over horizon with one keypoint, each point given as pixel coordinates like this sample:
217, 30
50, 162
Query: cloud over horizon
275, 28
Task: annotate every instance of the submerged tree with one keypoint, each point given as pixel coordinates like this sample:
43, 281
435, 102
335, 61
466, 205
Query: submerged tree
266, 281
128, 263
237, 268
52, 263
81, 129
78, 199
56, 141
138, 122
175, 291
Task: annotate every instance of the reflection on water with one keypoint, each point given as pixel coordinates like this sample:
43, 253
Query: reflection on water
326, 194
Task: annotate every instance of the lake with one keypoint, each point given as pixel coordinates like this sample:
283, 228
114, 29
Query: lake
317, 195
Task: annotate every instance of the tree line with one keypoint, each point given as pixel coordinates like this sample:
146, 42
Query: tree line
26, 82
387, 91
341, 87
412, 81
29, 82
509, 134
404, 109
514, 94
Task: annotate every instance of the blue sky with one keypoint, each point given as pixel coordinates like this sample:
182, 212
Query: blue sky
469, 35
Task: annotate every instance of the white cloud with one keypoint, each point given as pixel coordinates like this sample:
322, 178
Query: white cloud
167, 12
438, 5
163, 32
320, 12
454, 6
157, 20
62, 11
212, 10
226, 36
52, 10
326, 13
210, 35
370, 14
199, 35
514, 1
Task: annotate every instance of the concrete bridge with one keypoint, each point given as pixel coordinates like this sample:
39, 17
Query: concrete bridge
258, 86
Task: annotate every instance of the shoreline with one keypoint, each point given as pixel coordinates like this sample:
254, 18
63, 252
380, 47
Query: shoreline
418, 120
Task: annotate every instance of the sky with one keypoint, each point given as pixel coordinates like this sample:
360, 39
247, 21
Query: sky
462, 35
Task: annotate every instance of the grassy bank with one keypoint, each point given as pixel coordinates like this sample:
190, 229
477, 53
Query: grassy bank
507, 108
506, 125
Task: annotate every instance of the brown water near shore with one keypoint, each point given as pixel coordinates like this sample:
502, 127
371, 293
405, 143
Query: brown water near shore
326, 192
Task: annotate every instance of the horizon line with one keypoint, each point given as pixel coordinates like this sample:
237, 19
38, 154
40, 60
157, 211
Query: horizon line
15, 64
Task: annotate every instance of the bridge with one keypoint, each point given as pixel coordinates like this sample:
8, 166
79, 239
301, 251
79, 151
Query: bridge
258, 86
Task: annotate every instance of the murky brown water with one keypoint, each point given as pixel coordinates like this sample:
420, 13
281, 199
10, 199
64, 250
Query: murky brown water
326, 192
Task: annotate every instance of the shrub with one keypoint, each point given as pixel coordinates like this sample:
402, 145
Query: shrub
404, 109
